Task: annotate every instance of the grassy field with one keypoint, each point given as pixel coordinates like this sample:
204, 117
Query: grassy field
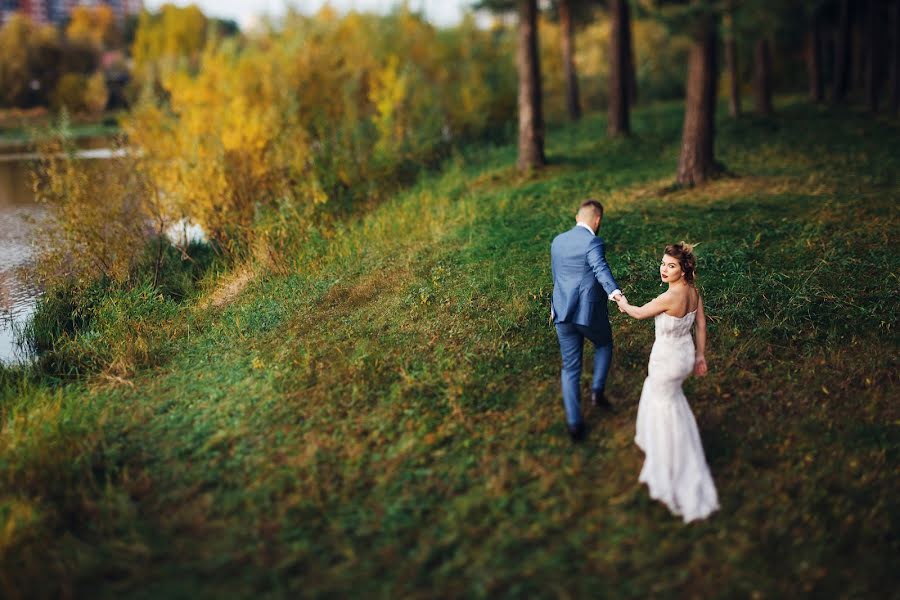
384, 419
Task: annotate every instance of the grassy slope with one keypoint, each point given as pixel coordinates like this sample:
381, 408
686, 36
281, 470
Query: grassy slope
387, 418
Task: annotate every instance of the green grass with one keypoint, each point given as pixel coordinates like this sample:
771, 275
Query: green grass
385, 419
17, 132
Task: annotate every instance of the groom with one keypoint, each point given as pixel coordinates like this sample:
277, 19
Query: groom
582, 284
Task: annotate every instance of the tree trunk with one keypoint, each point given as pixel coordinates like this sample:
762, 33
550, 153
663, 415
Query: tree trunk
857, 24
842, 55
531, 118
697, 162
632, 67
873, 55
731, 63
814, 58
895, 58
762, 78
573, 104
618, 122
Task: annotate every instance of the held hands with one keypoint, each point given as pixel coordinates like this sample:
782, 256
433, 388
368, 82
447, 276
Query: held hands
621, 301
700, 368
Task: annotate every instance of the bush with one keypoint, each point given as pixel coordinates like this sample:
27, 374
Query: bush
116, 327
101, 329
69, 93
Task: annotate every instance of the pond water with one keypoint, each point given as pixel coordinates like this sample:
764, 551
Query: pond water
20, 216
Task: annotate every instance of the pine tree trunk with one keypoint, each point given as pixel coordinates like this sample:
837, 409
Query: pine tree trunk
762, 78
857, 24
873, 56
734, 84
573, 103
618, 121
697, 162
895, 58
632, 67
731, 64
814, 58
842, 55
531, 119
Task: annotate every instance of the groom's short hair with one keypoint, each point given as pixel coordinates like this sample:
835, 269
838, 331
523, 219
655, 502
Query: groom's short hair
595, 204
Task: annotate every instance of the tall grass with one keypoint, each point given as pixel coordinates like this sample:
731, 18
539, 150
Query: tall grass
382, 415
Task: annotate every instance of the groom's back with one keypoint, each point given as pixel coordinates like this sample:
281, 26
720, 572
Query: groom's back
574, 284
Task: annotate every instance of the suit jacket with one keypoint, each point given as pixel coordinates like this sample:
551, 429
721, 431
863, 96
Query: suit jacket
582, 281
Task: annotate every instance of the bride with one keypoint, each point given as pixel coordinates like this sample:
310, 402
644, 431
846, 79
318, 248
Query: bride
675, 468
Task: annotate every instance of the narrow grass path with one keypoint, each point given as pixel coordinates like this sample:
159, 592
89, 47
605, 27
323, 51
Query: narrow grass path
386, 420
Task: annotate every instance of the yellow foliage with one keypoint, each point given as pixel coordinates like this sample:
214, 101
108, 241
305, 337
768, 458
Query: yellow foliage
388, 95
164, 40
95, 93
28, 52
93, 24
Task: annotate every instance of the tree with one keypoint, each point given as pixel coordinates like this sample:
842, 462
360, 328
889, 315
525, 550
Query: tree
573, 103
731, 63
618, 120
697, 163
167, 40
29, 62
528, 66
631, 66
814, 54
762, 77
531, 118
96, 25
841, 80
895, 58
873, 53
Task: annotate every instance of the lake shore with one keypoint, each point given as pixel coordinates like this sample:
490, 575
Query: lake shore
20, 129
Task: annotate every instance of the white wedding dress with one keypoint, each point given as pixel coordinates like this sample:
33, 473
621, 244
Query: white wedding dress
675, 468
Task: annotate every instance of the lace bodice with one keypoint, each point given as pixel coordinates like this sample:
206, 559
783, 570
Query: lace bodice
668, 326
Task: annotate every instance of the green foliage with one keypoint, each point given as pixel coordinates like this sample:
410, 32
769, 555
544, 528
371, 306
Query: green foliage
383, 417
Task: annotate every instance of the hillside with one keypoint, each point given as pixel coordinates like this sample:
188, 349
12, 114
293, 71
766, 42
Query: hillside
384, 419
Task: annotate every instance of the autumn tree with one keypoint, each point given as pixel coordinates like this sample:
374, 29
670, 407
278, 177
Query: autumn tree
95, 25
166, 40
30, 56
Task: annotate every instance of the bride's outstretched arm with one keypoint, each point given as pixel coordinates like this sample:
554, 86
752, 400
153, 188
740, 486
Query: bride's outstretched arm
700, 367
659, 304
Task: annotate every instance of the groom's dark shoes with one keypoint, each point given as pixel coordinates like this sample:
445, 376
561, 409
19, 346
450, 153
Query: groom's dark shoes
598, 400
577, 432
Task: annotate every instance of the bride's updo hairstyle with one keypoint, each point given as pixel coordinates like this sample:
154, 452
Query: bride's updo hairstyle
684, 253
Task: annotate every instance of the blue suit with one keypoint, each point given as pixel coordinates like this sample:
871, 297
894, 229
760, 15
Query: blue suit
582, 283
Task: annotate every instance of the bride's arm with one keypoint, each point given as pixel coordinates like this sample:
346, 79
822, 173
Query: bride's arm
659, 304
700, 367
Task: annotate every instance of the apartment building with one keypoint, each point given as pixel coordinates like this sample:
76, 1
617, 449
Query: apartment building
56, 11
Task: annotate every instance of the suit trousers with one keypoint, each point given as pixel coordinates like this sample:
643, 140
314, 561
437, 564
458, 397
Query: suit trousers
571, 346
